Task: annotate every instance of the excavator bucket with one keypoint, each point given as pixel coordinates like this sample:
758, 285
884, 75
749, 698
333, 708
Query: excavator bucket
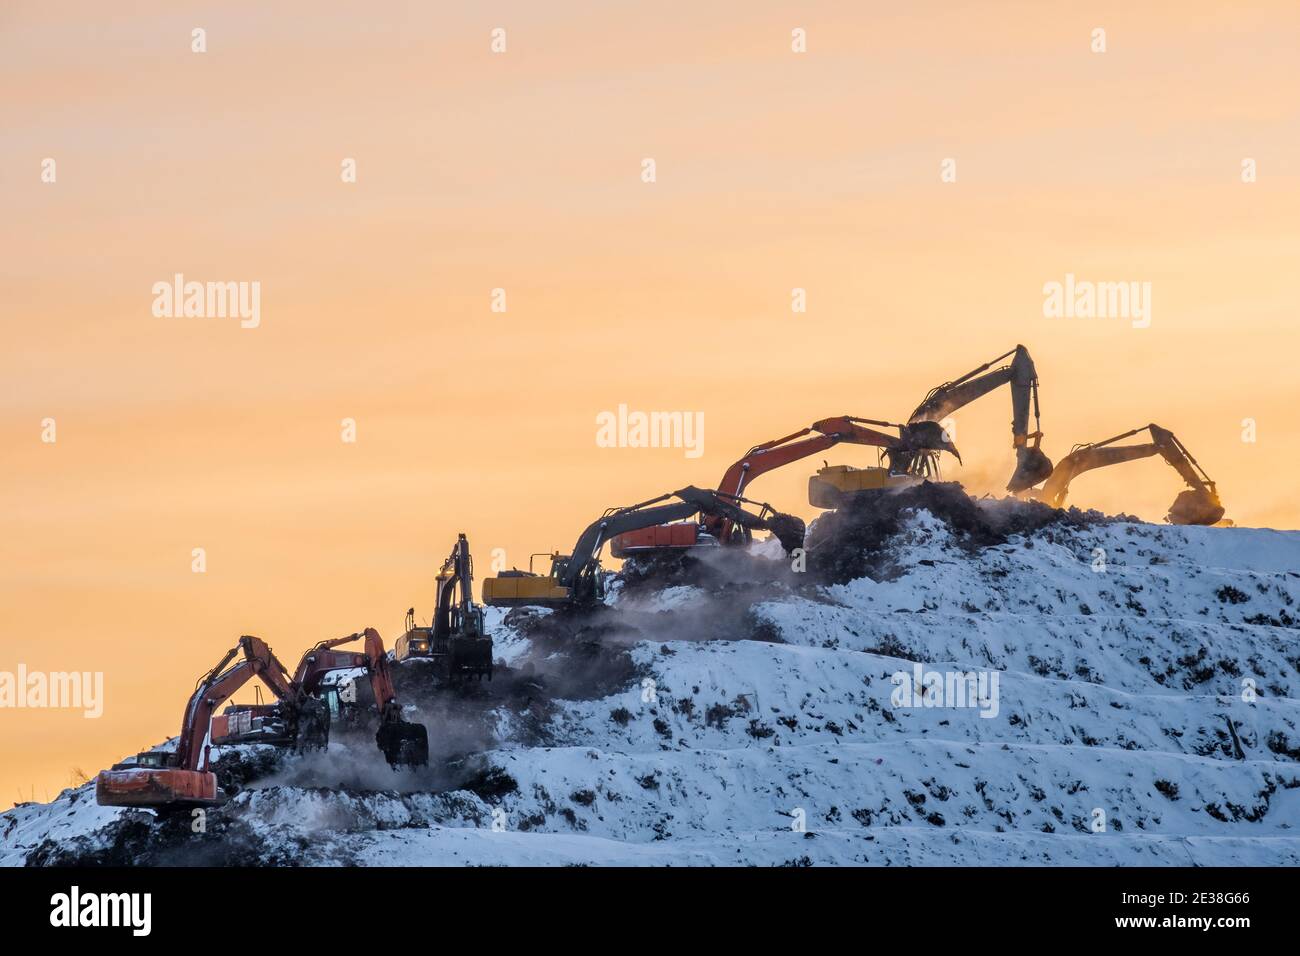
404, 744
1200, 506
313, 726
1032, 466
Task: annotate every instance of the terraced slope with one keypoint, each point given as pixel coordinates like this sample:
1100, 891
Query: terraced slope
1138, 704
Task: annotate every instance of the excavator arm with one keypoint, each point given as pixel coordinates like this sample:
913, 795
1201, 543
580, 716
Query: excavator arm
457, 574
1198, 504
403, 743
1032, 466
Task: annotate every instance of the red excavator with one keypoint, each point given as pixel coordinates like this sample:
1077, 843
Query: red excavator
717, 528
162, 779
158, 778
457, 644
403, 743
575, 578
1032, 465
1198, 504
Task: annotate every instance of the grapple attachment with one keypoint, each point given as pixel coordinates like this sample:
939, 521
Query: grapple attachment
1200, 506
404, 744
929, 436
1032, 466
789, 530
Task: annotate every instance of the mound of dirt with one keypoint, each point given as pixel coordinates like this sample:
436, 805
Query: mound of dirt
140, 839
714, 570
853, 542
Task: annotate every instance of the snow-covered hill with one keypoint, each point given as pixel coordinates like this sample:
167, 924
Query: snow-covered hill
1136, 703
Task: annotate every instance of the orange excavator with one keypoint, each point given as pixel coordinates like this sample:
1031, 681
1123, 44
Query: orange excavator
403, 743
718, 528
1198, 504
160, 779
164, 780
457, 643
575, 578
1031, 463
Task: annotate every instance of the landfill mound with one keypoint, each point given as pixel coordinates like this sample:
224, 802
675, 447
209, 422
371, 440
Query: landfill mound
741, 709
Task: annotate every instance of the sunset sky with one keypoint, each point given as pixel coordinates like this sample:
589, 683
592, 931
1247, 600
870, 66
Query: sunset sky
522, 171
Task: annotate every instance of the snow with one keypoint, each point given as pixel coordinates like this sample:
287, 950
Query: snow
1146, 713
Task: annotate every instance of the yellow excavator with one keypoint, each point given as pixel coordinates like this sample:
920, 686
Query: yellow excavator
922, 437
456, 644
1197, 504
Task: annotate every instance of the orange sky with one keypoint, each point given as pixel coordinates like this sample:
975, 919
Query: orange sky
522, 171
